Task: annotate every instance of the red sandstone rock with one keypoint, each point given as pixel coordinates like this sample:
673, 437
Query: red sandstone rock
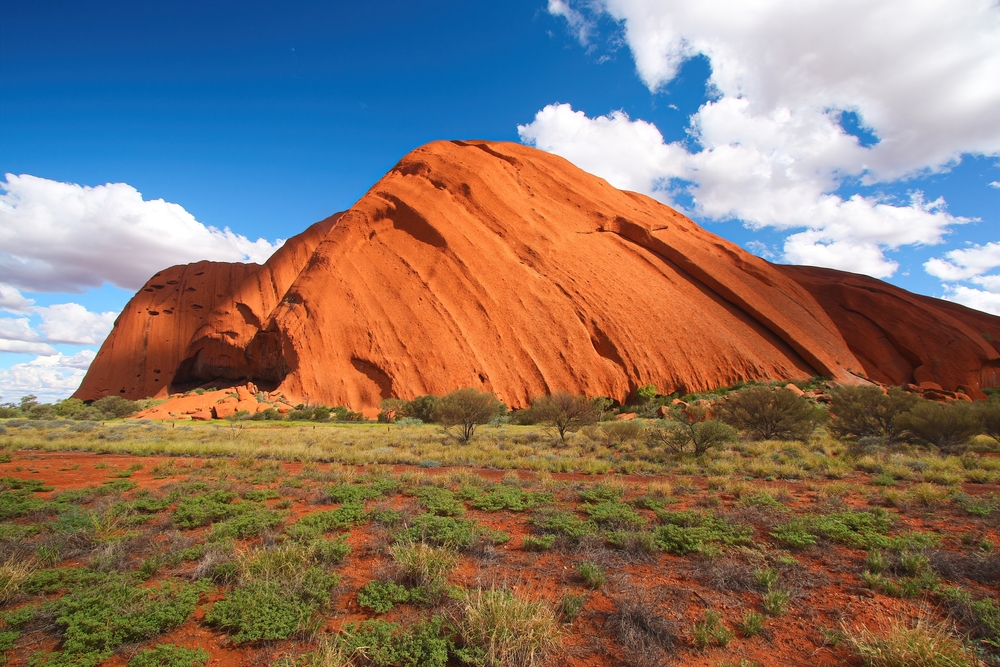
973, 393
900, 337
202, 416
626, 416
794, 389
501, 267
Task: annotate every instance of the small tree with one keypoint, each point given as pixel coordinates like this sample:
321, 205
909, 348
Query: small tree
467, 409
422, 408
764, 413
989, 417
946, 426
690, 426
617, 433
861, 412
564, 411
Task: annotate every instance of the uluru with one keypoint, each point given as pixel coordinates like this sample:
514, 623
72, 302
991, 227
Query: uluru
505, 268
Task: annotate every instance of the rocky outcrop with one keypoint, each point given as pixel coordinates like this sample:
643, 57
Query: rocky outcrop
900, 337
496, 266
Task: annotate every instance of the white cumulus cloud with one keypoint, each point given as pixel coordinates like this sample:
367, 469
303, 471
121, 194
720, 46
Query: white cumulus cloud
63, 237
924, 78
50, 378
17, 335
72, 323
972, 265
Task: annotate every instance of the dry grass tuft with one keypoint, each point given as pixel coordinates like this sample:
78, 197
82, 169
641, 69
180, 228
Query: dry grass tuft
921, 644
509, 630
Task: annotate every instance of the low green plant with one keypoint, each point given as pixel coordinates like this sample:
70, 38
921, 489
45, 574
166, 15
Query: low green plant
170, 655
695, 532
441, 502
710, 630
571, 604
511, 498
102, 612
775, 602
381, 596
538, 543
552, 521
591, 574
446, 531
752, 623
383, 644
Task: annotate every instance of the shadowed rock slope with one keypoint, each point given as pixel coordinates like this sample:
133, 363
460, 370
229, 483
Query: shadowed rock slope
491, 265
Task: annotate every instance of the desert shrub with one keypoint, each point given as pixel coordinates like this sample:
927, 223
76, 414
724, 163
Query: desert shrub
694, 532
617, 433
867, 412
102, 612
924, 644
311, 526
540, 543
381, 596
989, 416
614, 514
504, 497
425, 567
375, 642
170, 655
13, 573
441, 502
508, 631
278, 592
763, 413
947, 426
552, 521
775, 602
116, 406
201, 510
467, 409
564, 411
690, 428
571, 605
446, 531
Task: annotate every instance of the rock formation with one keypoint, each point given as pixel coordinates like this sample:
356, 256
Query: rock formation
501, 267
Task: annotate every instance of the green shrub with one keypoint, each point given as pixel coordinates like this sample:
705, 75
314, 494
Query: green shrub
250, 522
352, 494
102, 612
467, 409
867, 412
201, 510
386, 645
989, 417
947, 426
380, 596
116, 406
775, 602
170, 655
549, 520
425, 567
764, 413
272, 608
511, 498
540, 543
571, 605
445, 531
690, 426
311, 526
441, 502
614, 514
693, 532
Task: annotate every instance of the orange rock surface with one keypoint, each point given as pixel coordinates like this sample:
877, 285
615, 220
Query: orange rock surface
491, 265
900, 337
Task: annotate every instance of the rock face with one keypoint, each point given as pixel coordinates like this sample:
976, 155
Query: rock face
491, 265
900, 337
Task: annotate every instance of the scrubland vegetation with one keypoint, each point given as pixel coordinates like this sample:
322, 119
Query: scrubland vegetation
749, 527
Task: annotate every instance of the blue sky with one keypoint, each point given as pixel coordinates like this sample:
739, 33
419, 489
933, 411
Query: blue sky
772, 129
